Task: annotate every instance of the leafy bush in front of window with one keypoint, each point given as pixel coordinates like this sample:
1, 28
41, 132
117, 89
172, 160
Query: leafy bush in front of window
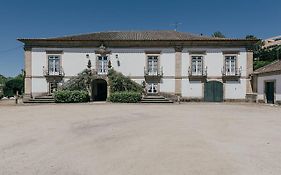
67, 96
119, 83
125, 97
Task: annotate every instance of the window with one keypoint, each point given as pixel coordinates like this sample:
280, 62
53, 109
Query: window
152, 65
230, 65
197, 65
152, 88
102, 64
54, 67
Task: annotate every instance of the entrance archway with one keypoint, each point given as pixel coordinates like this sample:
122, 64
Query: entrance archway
99, 90
213, 91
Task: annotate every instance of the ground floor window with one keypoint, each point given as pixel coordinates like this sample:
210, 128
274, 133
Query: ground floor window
152, 88
53, 86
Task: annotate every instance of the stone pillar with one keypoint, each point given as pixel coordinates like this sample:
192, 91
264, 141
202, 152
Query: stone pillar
178, 67
28, 72
249, 71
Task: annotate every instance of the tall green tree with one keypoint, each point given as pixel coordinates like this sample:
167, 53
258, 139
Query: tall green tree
13, 85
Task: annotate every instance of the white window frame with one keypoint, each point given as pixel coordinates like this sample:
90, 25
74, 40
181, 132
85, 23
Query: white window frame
153, 69
102, 65
197, 71
152, 88
230, 65
55, 69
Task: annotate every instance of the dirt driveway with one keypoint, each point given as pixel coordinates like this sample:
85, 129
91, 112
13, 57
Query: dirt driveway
122, 139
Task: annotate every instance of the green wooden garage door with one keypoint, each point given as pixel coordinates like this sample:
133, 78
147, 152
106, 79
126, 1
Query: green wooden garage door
213, 91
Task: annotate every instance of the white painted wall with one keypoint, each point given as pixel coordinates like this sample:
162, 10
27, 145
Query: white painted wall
39, 85
192, 89
133, 61
167, 85
235, 89
261, 84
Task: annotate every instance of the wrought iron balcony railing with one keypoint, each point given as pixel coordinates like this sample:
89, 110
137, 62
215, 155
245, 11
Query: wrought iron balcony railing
197, 73
226, 72
58, 72
153, 72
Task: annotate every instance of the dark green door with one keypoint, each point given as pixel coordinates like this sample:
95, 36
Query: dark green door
213, 91
269, 92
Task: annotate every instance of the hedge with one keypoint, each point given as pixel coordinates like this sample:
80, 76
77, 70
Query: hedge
67, 96
125, 97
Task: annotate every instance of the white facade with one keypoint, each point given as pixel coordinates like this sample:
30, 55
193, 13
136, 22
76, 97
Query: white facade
133, 60
262, 80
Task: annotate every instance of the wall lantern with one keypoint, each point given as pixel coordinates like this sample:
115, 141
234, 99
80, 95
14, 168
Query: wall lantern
118, 62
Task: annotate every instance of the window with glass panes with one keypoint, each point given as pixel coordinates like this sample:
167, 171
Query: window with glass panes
102, 64
230, 65
197, 65
152, 63
54, 64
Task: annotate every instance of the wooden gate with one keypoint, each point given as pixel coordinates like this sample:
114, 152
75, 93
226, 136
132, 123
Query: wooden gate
213, 91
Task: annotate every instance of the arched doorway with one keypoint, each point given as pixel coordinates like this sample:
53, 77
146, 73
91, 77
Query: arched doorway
213, 91
99, 90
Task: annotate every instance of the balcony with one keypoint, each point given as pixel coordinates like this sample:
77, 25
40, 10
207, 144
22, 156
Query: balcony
53, 76
231, 75
197, 76
153, 75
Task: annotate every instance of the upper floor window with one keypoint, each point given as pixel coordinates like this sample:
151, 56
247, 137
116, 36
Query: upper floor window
102, 64
197, 65
152, 65
54, 64
230, 65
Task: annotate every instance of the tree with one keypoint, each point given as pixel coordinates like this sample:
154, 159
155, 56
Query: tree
13, 86
251, 37
218, 34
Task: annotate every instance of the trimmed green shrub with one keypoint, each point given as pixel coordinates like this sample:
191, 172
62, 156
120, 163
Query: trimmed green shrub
67, 96
125, 97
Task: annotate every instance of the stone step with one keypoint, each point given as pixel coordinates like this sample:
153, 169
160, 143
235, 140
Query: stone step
44, 97
38, 101
155, 99
41, 99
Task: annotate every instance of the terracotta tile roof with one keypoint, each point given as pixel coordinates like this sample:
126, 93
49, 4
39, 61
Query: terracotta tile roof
274, 66
134, 36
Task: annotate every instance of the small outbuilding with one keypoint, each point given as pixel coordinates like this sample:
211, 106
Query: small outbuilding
267, 83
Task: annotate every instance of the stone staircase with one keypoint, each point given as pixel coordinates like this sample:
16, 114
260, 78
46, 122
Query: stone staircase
155, 99
41, 99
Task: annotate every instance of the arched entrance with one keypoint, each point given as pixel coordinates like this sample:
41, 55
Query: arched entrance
213, 91
99, 90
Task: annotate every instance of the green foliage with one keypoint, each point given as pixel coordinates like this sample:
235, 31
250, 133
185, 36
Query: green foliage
251, 37
119, 83
264, 56
80, 82
125, 97
218, 34
67, 96
12, 86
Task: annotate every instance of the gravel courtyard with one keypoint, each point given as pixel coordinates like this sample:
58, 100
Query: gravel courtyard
127, 139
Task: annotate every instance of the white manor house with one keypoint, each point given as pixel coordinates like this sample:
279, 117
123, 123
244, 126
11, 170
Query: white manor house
190, 66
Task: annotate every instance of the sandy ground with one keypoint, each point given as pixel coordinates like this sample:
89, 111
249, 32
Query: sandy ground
122, 139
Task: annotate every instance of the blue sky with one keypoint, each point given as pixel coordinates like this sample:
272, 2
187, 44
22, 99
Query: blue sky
49, 18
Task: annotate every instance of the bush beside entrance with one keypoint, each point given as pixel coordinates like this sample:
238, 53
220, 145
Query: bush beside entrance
67, 96
125, 97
